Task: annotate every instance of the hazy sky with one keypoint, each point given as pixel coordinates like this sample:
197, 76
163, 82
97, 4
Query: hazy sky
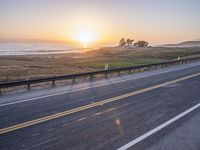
157, 21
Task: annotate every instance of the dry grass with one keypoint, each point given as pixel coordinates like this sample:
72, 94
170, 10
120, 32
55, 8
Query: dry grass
27, 67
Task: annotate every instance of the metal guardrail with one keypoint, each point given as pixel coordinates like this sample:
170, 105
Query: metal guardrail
92, 74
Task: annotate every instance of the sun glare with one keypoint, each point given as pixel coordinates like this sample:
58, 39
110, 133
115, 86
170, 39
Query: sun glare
84, 34
86, 38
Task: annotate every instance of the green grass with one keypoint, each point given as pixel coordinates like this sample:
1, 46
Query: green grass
117, 58
117, 62
22, 67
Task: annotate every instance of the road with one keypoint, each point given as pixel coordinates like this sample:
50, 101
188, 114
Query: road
152, 110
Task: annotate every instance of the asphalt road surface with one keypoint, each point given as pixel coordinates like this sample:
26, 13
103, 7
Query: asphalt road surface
154, 110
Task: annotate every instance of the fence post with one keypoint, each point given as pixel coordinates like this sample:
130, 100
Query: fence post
130, 71
91, 76
119, 73
106, 74
73, 80
147, 68
53, 82
28, 86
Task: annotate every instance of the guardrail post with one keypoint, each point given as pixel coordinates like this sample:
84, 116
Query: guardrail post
130, 71
119, 73
74, 80
91, 76
53, 82
28, 86
106, 75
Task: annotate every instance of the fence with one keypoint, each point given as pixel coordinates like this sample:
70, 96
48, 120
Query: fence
91, 75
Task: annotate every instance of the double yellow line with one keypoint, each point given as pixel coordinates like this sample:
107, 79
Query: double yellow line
81, 108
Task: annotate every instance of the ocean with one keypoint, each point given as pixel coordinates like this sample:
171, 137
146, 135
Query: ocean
7, 49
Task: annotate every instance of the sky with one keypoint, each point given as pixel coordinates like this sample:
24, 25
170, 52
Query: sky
106, 21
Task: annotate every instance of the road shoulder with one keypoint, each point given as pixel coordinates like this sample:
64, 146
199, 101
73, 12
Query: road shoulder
184, 137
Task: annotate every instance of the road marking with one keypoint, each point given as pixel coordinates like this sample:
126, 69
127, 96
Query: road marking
35, 134
80, 119
106, 111
51, 129
43, 142
96, 114
92, 105
126, 104
146, 135
85, 88
65, 124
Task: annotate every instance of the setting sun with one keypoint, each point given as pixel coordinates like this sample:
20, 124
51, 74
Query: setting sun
85, 31
85, 37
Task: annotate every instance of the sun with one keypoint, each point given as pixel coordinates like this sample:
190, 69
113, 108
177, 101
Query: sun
85, 34
85, 37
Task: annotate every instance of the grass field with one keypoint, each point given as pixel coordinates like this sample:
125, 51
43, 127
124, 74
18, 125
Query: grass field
27, 67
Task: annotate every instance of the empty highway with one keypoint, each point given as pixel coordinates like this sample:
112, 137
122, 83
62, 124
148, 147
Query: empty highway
152, 110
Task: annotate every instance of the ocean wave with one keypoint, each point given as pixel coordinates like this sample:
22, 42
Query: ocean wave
36, 48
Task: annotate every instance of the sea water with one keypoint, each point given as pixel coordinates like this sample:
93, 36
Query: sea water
36, 48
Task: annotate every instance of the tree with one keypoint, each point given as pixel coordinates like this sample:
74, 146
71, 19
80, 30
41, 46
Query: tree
141, 44
129, 42
122, 42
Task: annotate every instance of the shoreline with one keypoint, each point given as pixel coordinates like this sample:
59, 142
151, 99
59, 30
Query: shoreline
46, 52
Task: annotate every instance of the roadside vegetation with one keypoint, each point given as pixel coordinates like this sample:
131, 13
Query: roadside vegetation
14, 68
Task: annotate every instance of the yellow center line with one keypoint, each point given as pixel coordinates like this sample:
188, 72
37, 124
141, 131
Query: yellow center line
95, 104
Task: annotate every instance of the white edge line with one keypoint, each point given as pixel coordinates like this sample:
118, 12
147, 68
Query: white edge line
60, 93
146, 135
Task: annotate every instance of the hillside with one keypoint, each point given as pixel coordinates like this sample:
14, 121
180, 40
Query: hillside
183, 44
